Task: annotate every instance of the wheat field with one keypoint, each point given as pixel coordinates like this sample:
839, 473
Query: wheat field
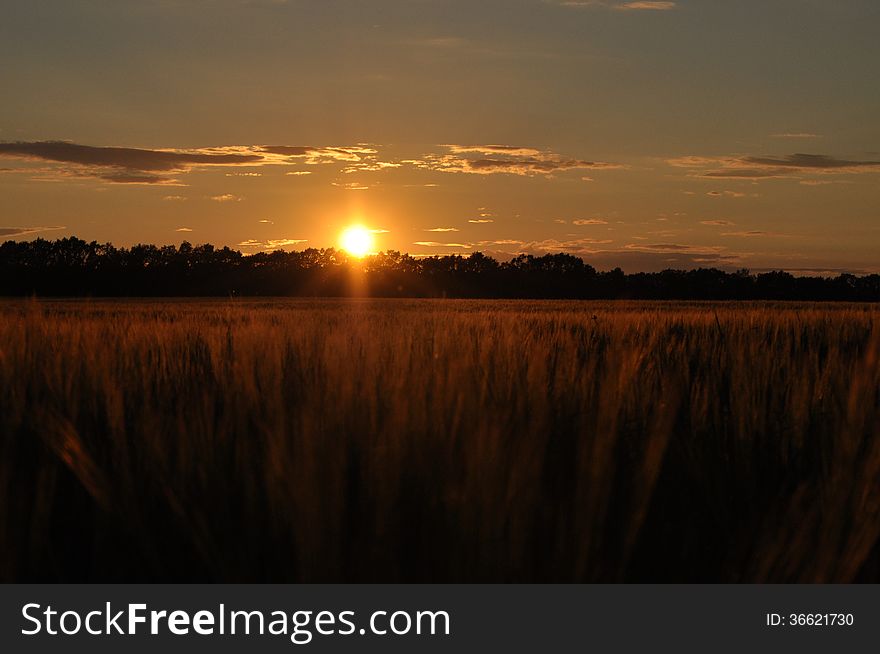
439, 441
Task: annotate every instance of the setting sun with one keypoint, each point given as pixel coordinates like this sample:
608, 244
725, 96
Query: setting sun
357, 241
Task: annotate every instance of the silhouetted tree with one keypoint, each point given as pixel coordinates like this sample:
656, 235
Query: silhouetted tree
73, 267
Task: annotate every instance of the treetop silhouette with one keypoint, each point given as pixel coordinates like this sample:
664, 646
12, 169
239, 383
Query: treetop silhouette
74, 267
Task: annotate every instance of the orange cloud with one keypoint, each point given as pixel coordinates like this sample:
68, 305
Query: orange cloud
505, 159
352, 186
271, 244
435, 244
729, 194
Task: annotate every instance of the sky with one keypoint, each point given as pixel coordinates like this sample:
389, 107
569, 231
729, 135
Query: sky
645, 135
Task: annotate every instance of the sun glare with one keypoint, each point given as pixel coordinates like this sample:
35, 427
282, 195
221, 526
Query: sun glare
357, 241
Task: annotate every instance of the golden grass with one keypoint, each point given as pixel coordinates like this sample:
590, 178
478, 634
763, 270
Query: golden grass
336, 440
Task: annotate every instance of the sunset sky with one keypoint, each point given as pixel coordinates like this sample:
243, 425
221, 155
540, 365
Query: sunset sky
644, 135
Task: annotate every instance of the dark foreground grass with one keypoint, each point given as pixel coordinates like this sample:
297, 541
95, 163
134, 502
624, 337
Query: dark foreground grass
439, 441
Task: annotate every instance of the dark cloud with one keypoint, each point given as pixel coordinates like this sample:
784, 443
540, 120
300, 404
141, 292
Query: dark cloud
23, 231
743, 173
819, 272
120, 165
505, 159
125, 158
645, 5
754, 233
675, 247
764, 167
810, 161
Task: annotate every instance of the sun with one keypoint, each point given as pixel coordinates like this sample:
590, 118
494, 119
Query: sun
357, 241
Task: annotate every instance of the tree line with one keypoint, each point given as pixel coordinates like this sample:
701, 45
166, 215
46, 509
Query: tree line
74, 267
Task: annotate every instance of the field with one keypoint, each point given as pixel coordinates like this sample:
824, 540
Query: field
439, 441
